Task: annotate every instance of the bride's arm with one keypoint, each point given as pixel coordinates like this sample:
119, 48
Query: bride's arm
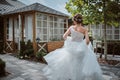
66, 33
87, 37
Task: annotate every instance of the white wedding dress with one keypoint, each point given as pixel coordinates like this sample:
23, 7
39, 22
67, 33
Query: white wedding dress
74, 61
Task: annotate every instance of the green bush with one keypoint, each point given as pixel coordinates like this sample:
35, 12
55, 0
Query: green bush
29, 49
22, 48
29, 53
2, 68
39, 56
29, 45
26, 50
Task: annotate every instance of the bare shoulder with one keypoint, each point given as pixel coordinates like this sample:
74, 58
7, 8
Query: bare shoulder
70, 27
84, 29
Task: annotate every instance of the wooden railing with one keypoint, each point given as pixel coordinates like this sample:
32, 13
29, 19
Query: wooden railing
9, 46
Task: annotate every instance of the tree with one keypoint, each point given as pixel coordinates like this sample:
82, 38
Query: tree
106, 12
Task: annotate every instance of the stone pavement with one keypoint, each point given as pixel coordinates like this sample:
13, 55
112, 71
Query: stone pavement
26, 70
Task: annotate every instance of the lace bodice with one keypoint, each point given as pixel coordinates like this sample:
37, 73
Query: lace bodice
75, 35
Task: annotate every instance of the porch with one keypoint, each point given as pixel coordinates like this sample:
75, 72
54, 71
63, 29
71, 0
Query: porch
30, 26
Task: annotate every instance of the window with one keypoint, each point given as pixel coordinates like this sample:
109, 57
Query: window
112, 33
116, 33
50, 27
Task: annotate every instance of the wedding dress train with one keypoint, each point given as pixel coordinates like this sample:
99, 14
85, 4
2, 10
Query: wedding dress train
74, 61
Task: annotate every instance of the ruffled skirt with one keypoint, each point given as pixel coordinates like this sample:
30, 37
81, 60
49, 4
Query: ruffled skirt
74, 61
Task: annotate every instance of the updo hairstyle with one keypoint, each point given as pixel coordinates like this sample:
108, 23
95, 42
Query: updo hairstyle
78, 18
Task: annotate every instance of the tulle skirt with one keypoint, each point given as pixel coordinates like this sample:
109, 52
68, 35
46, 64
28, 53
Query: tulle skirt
74, 61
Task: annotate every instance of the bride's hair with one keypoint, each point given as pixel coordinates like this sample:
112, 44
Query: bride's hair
78, 18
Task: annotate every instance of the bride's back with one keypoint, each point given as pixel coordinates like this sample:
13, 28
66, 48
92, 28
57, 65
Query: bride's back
76, 36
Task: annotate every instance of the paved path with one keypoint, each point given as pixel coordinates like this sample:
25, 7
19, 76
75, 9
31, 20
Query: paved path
26, 70
22, 69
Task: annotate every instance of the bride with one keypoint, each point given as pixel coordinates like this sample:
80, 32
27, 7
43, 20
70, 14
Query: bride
76, 59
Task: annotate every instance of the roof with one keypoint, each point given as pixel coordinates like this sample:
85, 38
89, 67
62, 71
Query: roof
37, 7
4, 2
10, 5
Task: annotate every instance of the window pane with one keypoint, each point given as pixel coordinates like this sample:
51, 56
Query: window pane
44, 30
55, 24
50, 24
55, 36
39, 24
55, 31
61, 31
62, 25
44, 37
109, 27
61, 20
116, 36
109, 37
55, 19
44, 17
39, 16
44, 23
50, 18
109, 31
116, 31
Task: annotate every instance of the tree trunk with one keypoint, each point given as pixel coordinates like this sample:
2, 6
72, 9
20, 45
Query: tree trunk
105, 42
105, 23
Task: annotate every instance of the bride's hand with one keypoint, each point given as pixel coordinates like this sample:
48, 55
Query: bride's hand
64, 38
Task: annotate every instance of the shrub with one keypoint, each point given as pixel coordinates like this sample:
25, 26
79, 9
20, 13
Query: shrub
2, 68
29, 44
29, 52
29, 49
26, 50
22, 48
39, 56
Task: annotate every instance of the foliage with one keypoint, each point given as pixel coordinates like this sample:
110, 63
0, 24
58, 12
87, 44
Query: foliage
96, 12
2, 67
39, 56
113, 13
29, 52
93, 12
26, 50
22, 49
